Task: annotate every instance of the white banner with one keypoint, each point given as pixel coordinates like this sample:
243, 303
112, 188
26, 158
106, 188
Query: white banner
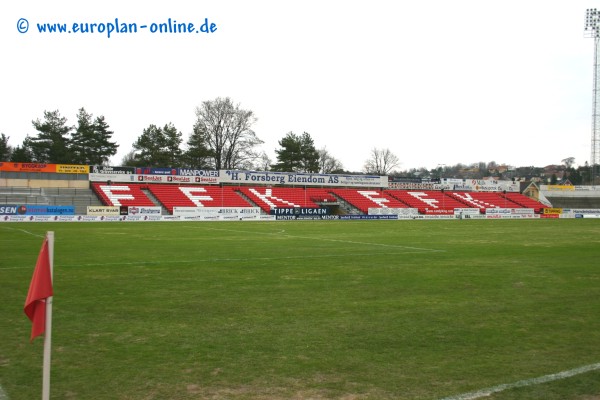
250, 178
393, 211
217, 213
103, 210
133, 210
466, 211
301, 179
509, 211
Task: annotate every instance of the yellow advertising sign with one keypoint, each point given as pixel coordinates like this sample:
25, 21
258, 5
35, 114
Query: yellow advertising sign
553, 210
72, 169
561, 187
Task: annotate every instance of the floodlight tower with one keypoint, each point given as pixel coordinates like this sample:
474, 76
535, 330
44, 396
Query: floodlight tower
592, 30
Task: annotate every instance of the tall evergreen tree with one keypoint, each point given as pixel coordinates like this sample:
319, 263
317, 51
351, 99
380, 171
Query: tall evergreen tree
198, 155
5, 148
158, 147
90, 142
52, 143
297, 154
23, 153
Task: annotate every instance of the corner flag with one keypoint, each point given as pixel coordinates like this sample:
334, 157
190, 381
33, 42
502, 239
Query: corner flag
40, 289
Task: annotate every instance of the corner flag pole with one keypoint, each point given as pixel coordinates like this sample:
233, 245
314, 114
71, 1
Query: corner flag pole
48, 332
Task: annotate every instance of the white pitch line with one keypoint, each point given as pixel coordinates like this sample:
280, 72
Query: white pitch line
3, 395
525, 382
207, 260
396, 246
24, 231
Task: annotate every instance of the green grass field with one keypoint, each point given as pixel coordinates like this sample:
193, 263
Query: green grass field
306, 310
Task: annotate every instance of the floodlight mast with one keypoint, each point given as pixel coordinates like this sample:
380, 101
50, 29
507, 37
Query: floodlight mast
592, 30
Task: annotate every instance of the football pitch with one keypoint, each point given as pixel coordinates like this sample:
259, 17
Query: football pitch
308, 310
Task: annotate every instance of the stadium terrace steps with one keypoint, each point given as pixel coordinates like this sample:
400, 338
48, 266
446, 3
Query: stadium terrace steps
524, 201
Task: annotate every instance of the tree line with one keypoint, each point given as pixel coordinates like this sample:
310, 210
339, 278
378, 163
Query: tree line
222, 138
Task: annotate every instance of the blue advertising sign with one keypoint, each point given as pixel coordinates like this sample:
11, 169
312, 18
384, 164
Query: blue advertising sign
49, 210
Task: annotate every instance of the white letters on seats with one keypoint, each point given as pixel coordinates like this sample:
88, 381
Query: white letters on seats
425, 199
380, 201
115, 197
467, 197
269, 195
196, 199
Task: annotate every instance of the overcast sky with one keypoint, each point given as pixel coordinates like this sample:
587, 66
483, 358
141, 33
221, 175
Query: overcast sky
436, 82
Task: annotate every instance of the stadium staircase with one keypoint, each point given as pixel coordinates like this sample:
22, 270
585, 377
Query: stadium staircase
79, 198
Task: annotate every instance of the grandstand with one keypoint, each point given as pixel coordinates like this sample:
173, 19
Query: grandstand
163, 190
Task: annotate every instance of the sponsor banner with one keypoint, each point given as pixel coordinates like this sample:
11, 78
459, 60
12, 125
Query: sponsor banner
156, 171
131, 218
299, 211
206, 179
303, 179
392, 211
485, 186
523, 211
438, 211
411, 186
421, 216
353, 217
180, 179
171, 218
88, 218
49, 210
582, 211
107, 170
16, 218
12, 209
27, 167
594, 188
149, 178
94, 177
72, 169
466, 211
556, 211
498, 211
111, 218
66, 218
217, 213
132, 210
306, 217
103, 210
549, 215
560, 188
240, 177
512, 216
198, 173
506, 211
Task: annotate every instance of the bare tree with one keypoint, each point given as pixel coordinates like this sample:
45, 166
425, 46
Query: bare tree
327, 163
568, 162
263, 162
226, 128
382, 162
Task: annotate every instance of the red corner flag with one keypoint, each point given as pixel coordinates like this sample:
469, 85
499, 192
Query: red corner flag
39, 290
